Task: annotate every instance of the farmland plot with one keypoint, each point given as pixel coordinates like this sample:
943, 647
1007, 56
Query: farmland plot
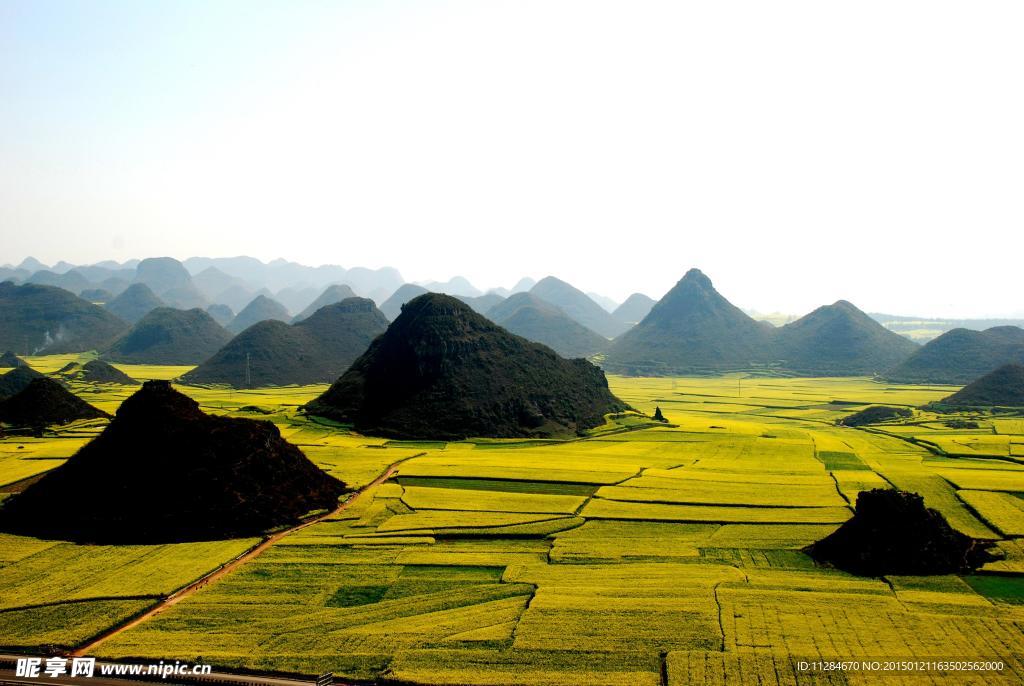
642, 555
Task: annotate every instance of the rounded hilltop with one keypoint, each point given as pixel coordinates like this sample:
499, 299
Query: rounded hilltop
442, 371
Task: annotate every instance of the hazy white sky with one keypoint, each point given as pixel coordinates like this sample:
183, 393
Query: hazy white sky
797, 152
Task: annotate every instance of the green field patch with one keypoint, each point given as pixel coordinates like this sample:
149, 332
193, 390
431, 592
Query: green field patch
423, 579
1003, 589
352, 596
420, 445
502, 485
834, 460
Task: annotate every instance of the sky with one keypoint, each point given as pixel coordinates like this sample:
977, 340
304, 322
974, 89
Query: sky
796, 152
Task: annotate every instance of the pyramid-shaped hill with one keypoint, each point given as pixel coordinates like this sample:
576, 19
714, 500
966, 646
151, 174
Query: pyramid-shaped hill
1003, 387
170, 336
530, 317
960, 356
634, 309
50, 320
44, 402
839, 340
578, 305
693, 329
261, 309
96, 371
317, 349
164, 471
134, 303
442, 371
334, 293
9, 359
14, 381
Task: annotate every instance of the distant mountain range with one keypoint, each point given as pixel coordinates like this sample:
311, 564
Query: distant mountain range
694, 329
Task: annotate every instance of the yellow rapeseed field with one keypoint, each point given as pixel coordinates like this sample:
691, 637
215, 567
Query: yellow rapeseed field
644, 554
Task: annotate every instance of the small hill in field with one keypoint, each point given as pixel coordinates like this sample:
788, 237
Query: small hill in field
317, 349
1003, 387
9, 359
16, 380
839, 340
442, 371
49, 320
332, 294
261, 309
961, 356
44, 402
634, 309
164, 471
96, 371
693, 329
578, 305
170, 336
530, 317
134, 303
875, 414
392, 307
892, 532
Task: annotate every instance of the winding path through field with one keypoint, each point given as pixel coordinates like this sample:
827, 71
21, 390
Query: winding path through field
228, 567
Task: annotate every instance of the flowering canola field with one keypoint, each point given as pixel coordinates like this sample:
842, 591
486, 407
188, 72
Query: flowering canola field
643, 554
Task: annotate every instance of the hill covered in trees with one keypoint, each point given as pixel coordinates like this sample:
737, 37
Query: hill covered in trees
48, 320
170, 336
203, 477
443, 371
